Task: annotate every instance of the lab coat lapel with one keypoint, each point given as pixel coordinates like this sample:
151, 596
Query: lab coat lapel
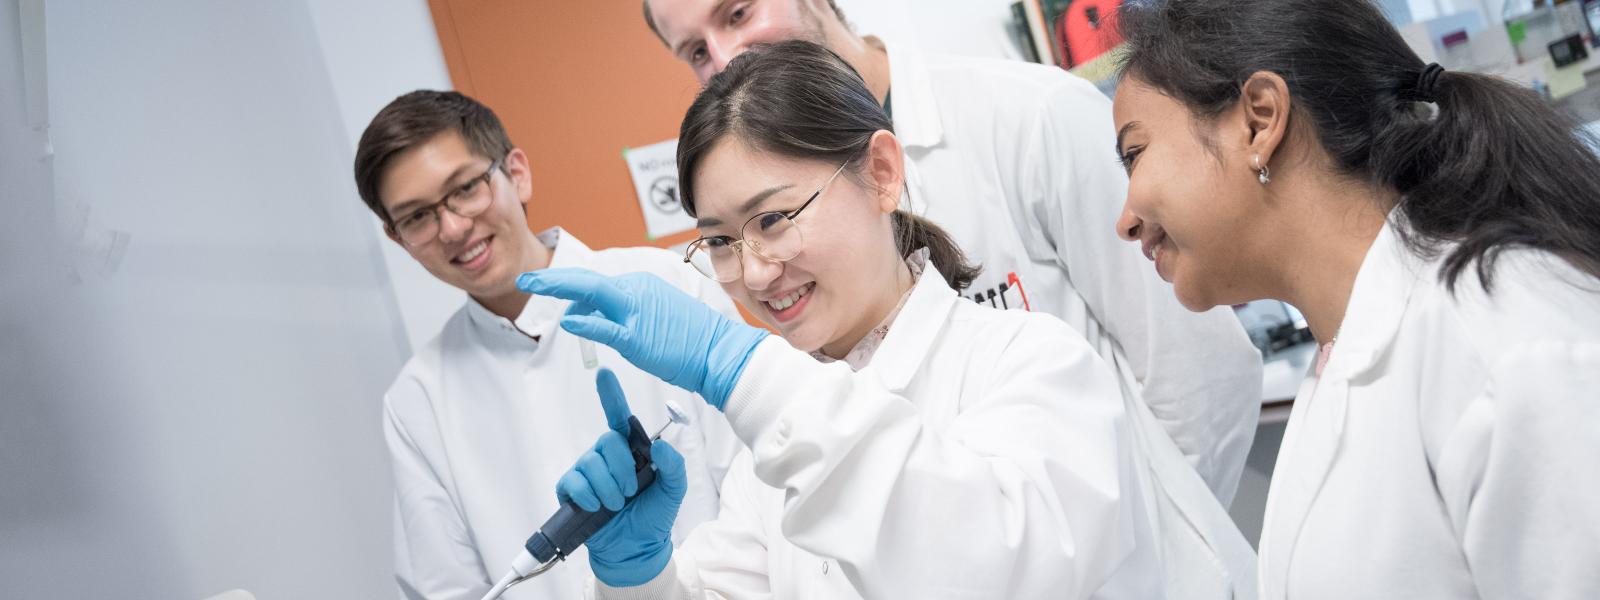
914, 330
1316, 429
1378, 300
541, 316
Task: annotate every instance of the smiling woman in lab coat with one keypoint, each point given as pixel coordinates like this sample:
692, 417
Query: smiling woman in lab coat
1441, 233
905, 443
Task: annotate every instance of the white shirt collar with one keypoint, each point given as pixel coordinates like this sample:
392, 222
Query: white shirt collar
909, 339
542, 313
864, 350
912, 103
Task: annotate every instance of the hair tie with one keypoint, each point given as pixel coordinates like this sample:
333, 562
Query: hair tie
1427, 83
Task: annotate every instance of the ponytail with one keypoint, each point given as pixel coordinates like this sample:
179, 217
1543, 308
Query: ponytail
1496, 168
912, 233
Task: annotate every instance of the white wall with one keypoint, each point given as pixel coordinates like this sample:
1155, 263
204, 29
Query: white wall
376, 50
1423, 10
200, 411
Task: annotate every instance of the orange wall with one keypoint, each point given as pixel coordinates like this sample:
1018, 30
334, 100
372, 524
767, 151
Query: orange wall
575, 82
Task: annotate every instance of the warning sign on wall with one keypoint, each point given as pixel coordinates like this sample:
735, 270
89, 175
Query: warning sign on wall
655, 179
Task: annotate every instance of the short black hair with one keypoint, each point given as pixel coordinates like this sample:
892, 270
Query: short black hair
412, 120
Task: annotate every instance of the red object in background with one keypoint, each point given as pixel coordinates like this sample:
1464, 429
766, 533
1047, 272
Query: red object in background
1087, 30
1016, 282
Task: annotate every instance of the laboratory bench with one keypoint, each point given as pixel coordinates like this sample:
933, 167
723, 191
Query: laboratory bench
1281, 375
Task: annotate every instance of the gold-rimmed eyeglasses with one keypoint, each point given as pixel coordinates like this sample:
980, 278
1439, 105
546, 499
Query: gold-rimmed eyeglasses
771, 235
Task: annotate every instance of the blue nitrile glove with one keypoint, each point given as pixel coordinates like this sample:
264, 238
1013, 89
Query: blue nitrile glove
634, 547
654, 325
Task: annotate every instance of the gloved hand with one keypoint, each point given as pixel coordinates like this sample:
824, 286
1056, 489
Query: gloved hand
654, 325
636, 544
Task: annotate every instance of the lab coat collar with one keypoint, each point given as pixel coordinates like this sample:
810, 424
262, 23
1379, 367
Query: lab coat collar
912, 333
541, 316
1383, 285
912, 102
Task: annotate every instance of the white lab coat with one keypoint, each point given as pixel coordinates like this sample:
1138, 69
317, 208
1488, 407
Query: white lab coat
1449, 448
1018, 162
979, 454
483, 420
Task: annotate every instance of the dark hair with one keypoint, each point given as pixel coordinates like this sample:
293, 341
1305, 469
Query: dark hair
650, 18
1493, 168
800, 100
414, 119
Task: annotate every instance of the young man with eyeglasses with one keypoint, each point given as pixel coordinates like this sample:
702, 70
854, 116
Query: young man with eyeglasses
482, 420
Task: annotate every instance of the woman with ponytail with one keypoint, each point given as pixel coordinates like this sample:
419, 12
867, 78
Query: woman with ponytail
902, 442
1441, 233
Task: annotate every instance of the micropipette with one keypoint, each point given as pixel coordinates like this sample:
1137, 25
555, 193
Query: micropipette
571, 526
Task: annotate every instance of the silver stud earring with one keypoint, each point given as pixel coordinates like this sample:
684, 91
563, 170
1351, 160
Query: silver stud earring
1262, 173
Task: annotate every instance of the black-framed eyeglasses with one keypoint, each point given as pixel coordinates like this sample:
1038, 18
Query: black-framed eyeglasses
770, 235
468, 200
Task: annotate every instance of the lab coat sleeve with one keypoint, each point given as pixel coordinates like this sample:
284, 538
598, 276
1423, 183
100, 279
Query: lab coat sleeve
1200, 375
725, 558
1518, 477
1022, 494
721, 445
434, 555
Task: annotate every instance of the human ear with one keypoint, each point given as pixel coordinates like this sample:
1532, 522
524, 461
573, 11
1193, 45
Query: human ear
886, 168
1264, 105
520, 173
